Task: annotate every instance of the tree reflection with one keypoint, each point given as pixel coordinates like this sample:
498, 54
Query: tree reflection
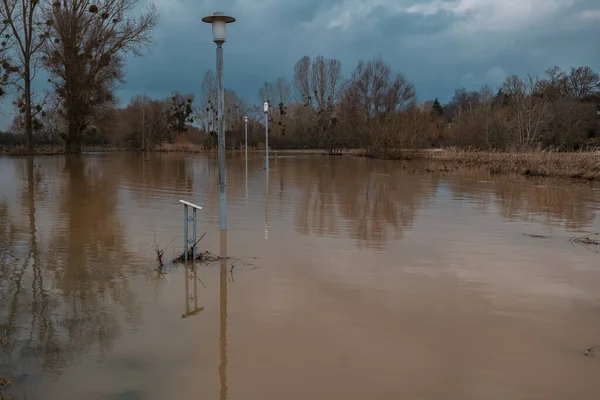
367, 201
68, 298
543, 201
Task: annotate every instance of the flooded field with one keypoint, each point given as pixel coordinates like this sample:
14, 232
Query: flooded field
372, 280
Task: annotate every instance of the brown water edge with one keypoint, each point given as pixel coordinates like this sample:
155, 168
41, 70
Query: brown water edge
375, 281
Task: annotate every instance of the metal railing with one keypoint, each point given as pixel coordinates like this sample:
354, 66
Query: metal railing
187, 219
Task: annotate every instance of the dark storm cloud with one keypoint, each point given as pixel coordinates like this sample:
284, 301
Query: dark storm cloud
440, 45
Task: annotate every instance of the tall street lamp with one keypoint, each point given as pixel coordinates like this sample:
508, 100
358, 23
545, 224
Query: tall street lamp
266, 108
219, 22
246, 139
246, 149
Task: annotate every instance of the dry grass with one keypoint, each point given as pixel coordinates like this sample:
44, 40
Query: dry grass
51, 151
181, 144
180, 147
576, 165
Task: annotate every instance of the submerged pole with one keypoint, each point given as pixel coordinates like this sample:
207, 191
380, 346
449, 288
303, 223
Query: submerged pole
185, 231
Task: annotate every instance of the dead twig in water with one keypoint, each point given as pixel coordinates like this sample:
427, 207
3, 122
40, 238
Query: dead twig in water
160, 252
587, 242
245, 264
536, 236
589, 352
205, 257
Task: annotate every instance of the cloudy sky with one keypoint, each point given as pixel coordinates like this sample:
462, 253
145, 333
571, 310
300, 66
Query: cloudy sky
438, 44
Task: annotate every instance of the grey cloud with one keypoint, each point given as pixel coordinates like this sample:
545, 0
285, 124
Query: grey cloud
435, 50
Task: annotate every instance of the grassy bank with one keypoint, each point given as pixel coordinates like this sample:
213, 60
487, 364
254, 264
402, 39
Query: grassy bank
576, 165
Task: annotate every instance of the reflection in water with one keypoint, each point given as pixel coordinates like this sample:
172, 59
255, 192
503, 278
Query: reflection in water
191, 300
543, 200
454, 281
343, 196
66, 298
223, 316
266, 205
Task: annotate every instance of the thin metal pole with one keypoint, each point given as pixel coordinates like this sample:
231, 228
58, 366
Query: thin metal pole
194, 235
246, 148
185, 231
267, 140
221, 107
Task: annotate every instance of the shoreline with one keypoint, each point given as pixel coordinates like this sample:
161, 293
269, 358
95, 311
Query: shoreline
583, 166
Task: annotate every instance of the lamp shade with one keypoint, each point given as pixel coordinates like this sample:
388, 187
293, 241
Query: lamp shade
219, 30
245, 119
266, 107
219, 22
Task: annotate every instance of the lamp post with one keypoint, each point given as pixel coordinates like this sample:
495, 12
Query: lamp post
246, 150
246, 139
219, 22
266, 107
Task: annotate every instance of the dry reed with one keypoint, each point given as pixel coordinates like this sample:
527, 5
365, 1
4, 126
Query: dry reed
575, 165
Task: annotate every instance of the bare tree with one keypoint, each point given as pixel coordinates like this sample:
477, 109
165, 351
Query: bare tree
317, 82
318, 85
179, 112
381, 93
530, 115
554, 85
266, 93
302, 81
6, 68
278, 94
207, 105
282, 90
85, 56
583, 82
27, 29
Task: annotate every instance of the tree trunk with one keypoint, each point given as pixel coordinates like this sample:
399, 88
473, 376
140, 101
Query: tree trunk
73, 140
28, 116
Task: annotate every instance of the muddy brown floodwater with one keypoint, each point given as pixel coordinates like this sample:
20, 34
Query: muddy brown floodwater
374, 280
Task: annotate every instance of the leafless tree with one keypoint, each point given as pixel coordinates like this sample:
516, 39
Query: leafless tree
85, 56
554, 85
282, 90
317, 83
27, 29
6, 68
207, 104
380, 92
530, 115
583, 82
266, 93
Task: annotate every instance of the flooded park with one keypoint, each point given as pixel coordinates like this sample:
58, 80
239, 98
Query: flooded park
346, 278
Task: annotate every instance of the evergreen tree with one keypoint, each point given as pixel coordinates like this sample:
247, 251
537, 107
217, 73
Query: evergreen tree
437, 107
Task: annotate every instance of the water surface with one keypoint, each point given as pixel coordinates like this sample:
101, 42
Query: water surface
373, 280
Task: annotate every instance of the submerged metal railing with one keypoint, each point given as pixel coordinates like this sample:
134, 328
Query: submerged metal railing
187, 219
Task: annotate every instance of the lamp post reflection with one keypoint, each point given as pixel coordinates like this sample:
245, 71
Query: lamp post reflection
223, 317
267, 206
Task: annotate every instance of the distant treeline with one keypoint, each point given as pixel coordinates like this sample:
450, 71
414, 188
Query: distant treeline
375, 108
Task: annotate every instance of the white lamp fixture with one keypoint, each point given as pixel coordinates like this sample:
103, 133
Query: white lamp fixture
246, 119
266, 106
219, 22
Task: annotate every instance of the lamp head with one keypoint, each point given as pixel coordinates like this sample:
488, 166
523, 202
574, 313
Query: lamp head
266, 106
219, 22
